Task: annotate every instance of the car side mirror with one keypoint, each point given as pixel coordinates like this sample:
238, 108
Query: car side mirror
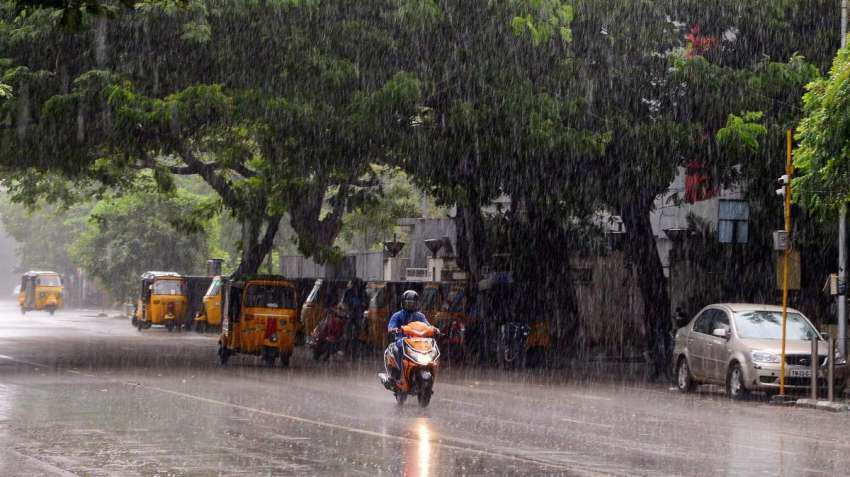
724, 333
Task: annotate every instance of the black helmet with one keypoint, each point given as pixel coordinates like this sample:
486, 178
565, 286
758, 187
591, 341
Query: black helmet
410, 300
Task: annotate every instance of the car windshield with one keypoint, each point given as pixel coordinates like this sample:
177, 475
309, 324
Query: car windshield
270, 296
762, 324
168, 287
49, 280
215, 286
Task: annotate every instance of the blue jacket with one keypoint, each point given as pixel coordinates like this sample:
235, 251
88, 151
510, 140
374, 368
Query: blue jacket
403, 317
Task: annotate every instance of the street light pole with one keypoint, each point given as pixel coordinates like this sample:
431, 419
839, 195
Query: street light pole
789, 175
841, 298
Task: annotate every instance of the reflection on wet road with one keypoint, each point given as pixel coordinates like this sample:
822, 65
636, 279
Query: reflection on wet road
87, 395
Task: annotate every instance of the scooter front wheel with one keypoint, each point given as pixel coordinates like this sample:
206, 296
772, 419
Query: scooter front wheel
400, 397
424, 397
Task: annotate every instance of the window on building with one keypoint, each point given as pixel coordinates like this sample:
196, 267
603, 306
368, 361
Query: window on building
733, 221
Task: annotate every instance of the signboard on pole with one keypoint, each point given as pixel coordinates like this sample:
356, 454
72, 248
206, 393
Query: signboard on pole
793, 270
780, 240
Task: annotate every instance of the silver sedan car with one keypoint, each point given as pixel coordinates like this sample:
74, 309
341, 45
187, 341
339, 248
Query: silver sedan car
739, 346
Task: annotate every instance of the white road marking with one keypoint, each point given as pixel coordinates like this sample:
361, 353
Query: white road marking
586, 423
463, 403
366, 432
9, 358
42, 465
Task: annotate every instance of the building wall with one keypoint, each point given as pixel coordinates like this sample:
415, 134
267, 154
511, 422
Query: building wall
364, 265
610, 308
420, 230
672, 212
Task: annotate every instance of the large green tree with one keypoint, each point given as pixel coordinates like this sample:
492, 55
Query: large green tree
282, 115
662, 79
141, 231
498, 119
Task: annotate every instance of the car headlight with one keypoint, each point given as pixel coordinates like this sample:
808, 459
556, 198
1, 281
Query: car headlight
765, 357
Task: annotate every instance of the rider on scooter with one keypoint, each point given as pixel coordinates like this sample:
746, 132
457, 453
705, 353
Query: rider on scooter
408, 314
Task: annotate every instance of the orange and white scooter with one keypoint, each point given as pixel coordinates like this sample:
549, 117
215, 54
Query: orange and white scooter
418, 366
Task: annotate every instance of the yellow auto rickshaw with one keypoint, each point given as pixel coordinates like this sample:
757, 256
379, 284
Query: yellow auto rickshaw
210, 314
323, 297
259, 316
444, 305
40, 290
383, 302
162, 301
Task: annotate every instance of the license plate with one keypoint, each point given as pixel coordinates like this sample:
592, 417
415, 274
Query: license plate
801, 373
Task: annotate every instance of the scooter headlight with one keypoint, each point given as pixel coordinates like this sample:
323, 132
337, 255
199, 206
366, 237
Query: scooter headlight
422, 358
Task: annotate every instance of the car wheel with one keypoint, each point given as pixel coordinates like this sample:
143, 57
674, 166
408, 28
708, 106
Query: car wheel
684, 381
735, 387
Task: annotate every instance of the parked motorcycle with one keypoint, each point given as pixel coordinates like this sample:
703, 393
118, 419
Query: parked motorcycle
511, 344
452, 342
328, 336
418, 366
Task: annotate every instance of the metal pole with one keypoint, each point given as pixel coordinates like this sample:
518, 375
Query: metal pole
789, 169
831, 370
841, 299
814, 366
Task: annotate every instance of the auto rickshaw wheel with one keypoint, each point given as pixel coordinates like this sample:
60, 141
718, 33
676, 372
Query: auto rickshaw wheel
268, 358
51, 311
201, 327
170, 328
284, 360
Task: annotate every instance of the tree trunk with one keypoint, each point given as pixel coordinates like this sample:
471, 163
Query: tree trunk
316, 234
545, 264
471, 242
254, 249
642, 252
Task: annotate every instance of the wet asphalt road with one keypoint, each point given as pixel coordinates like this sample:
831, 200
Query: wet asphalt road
89, 396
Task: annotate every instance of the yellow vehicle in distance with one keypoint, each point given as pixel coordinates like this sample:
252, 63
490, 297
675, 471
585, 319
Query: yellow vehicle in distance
259, 316
383, 301
162, 301
324, 296
40, 290
210, 314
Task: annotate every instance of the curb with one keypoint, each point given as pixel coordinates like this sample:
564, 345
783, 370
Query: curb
822, 405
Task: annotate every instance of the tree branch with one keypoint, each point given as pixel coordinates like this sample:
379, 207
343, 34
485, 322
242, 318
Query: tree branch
208, 173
